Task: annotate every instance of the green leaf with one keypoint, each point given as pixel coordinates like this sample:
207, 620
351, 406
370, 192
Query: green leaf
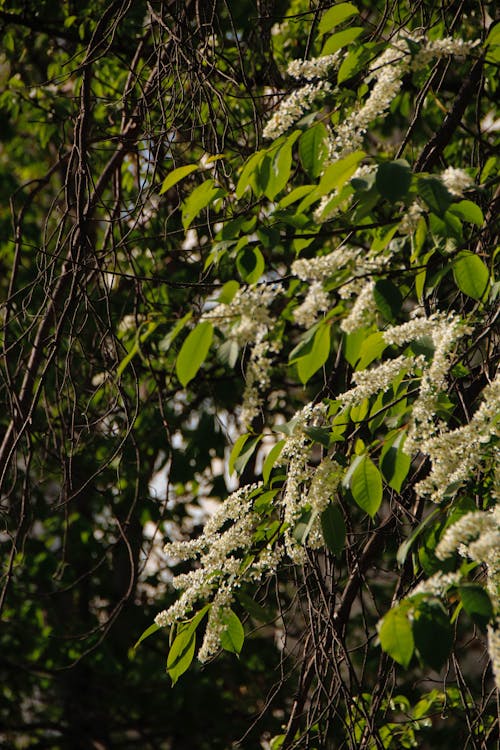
236, 450
313, 149
353, 343
393, 180
471, 275
181, 653
316, 358
279, 171
335, 15
233, 636
244, 457
227, 292
271, 459
388, 299
366, 486
341, 39
394, 463
434, 194
248, 176
169, 339
149, 631
432, 633
371, 348
339, 172
333, 528
250, 264
200, 198
405, 547
193, 352
295, 195
396, 637
476, 603
176, 176
351, 64
468, 211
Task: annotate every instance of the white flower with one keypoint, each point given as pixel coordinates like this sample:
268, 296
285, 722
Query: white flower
456, 180
377, 379
494, 649
318, 67
293, 107
363, 311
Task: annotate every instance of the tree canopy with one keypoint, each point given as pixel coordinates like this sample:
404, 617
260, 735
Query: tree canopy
249, 374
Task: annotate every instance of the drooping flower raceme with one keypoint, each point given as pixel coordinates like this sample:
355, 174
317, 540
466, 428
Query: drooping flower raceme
476, 536
226, 538
293, 107
246, 322
456, 453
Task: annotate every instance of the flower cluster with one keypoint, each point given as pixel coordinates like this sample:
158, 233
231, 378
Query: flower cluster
318, 67
246, 321
377, 379
476, 536
456, 180
456, 453
226, 536
296, 456
246, 318
257, 378
293, 107
363, 311
444, 331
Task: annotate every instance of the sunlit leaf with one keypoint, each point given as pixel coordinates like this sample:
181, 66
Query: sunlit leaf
176, 176
366, 486
471, 275
396, 636
335, 15
233, 636
194, 351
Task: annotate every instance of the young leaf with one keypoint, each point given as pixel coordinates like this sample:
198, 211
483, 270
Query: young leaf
249, 173
333, 528
339, 172
316, 358
393, 180
335, 15
366, 486
394, 463
149, 631
227, 292
236, 450
233, 636
471, 275
351, 64
181, 653
200, 198
341, 39
371, 348
194, 351
313, 149
468, 211
176, 176
396, 637
241, 461
279, 171
271, 459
